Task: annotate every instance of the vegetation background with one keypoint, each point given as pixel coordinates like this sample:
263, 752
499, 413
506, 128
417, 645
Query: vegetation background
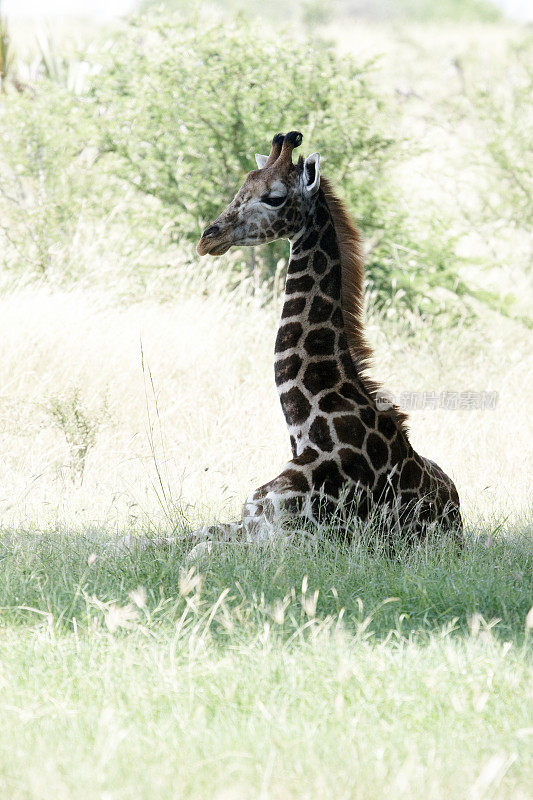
136, 400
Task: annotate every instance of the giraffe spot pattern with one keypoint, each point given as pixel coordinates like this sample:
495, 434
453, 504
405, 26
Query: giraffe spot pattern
377, 450
331, 283
321, 375
287, 369
288, 336
334, 402
409, 502
293, 505
298, 265
293, 307
347, 363
302, 284
328, 478
320, 311
342, 343
321, 216
356, 467
386, 425
338, 320
328, 242
320, 262
295, 405
411, 475
368, 416
319, 434
309, 241
320, 341
398, 450
351, 392
349, 430
290, 215
383, 490
297, 479
307, 457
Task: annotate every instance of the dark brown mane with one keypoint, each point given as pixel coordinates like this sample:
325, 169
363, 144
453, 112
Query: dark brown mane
353, 273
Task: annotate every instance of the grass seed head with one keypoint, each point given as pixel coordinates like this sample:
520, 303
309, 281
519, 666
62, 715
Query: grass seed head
120, 617
138, 596
189, 581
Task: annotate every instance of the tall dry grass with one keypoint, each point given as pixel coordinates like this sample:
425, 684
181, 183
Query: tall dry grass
204, 409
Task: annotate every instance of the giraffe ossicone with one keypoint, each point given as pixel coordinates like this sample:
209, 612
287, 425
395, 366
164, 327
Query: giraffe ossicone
351, 452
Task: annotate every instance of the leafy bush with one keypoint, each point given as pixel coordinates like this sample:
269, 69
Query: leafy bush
315, 13
176, 109
6, 55
71, 414
44, 181
183, 114
496, 99
502, 103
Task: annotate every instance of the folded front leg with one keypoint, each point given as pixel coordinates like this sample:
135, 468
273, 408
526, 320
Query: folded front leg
286, 498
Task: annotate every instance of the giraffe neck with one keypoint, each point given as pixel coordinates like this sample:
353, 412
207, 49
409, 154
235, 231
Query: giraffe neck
313, 365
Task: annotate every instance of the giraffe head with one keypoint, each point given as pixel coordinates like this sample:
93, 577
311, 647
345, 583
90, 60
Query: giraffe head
272, 203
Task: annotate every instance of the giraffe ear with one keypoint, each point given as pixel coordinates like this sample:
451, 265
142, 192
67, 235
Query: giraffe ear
311, 174
260, 160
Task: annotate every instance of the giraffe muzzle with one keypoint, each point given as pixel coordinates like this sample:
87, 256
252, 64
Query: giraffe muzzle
212, 243
212, 230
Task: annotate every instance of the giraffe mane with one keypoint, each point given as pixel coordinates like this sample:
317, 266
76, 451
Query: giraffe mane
353, 273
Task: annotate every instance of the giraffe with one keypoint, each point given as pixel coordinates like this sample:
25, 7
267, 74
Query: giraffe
350, 452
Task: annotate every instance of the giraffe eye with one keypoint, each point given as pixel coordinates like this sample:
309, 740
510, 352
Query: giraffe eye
273, 201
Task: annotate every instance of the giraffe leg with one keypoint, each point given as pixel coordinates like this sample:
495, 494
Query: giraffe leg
212, 536
262, 523
272, 510
278, 509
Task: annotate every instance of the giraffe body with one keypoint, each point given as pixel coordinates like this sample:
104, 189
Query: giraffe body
351, 456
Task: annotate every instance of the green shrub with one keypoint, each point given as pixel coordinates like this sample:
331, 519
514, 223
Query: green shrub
496, 99
79, 423
502, 103
176, 109
184, 113
6, 54
183, 106
317, 12
44, 180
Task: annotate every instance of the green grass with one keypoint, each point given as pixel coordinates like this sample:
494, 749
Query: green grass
404, 677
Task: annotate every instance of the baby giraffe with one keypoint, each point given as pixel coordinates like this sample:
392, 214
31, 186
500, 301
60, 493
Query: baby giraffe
351, 454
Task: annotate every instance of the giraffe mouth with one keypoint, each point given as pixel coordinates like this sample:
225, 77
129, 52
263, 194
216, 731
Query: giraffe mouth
207, 247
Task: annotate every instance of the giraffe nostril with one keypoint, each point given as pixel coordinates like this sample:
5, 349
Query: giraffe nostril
212, 230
